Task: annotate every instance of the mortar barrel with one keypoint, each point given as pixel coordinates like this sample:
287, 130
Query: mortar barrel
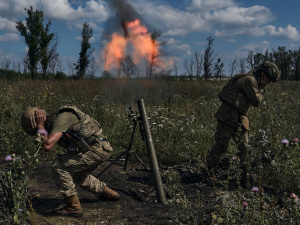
151, 152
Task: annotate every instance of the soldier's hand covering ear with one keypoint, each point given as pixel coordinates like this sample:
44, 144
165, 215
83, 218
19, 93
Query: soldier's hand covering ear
40, 116
263, 80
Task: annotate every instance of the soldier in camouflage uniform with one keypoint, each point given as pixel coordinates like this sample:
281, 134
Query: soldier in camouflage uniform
241, 93
86, 148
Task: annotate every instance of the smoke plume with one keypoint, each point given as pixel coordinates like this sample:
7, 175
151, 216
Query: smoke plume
121, 12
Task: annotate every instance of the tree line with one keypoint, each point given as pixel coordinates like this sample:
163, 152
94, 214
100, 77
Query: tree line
209, 66
42, 59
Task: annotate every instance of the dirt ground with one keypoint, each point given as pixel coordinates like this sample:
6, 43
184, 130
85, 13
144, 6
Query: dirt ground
138, 203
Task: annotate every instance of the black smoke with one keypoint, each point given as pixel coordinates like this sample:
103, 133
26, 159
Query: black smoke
121, 11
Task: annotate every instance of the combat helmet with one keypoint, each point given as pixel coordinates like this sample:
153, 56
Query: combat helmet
28, 121
270, 69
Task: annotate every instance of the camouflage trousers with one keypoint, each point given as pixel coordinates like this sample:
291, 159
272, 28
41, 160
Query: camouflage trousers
222, 137
71, 169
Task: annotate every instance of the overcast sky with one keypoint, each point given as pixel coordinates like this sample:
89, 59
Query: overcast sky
236, 25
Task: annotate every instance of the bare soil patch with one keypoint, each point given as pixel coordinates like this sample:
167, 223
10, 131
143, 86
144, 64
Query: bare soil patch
138, 203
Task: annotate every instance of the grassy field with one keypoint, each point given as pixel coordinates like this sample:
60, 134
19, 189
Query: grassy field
182, 116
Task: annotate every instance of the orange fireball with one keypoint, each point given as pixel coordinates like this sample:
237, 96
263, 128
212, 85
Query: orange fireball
137, 36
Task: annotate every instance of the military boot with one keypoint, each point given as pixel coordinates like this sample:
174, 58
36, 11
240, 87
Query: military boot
109, 194
72, 207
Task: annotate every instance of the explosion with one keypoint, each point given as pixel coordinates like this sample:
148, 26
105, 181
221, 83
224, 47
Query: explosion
136, 41
128, 43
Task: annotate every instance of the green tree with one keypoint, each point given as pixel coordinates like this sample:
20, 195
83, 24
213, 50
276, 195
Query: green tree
250, 60
208, 58
84, 55
258, 59
37, 38
296, 60
283, 59
218, 69
48, 50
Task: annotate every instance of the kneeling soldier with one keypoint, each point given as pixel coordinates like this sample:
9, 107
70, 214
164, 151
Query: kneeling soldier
86, 148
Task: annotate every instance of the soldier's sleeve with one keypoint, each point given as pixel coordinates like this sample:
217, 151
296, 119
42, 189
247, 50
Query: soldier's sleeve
253, 92
63, 121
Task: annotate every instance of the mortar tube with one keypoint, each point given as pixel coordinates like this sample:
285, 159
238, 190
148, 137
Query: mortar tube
151, 152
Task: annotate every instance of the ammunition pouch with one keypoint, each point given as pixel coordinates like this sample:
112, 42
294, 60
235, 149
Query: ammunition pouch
103, 142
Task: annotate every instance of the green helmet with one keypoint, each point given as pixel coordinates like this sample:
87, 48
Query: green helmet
28, 121
270, 69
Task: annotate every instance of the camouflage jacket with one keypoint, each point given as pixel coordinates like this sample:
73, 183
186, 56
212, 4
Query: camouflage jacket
81, 135
238, 96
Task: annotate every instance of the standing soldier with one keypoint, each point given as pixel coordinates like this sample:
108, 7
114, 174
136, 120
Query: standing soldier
86, 148
241, 93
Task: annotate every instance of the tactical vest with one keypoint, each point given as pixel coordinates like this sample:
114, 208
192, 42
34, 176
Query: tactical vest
80, 136
234, 98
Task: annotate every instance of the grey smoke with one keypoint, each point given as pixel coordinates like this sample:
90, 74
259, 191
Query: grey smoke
124, 10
